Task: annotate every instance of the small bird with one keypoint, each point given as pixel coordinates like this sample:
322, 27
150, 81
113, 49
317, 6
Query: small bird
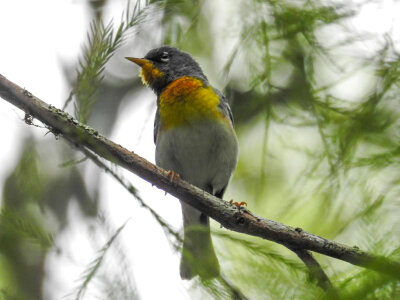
194, 137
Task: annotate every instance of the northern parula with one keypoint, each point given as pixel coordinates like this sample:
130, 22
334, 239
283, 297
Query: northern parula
194, 137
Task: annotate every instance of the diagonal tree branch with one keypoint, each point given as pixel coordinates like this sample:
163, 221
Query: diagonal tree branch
167, 228
59, 122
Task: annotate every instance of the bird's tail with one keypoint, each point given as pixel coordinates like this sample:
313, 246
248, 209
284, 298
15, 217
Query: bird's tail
198, 256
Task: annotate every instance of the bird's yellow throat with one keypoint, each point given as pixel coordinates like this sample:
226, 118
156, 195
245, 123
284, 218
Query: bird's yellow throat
149, 73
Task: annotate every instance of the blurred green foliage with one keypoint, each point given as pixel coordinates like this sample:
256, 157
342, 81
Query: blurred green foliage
34, 209
316, 109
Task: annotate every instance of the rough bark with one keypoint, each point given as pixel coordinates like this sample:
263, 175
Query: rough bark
229, 216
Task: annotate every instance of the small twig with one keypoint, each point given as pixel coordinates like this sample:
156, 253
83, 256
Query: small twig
90, 273
316, 272
235, 293
129, 187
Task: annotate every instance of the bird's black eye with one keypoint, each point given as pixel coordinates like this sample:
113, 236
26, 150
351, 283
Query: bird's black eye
164, 57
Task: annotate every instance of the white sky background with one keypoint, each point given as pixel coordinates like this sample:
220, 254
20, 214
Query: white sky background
31, 59
39, 36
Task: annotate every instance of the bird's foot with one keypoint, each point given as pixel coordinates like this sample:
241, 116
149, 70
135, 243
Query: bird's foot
237, 204
172, 176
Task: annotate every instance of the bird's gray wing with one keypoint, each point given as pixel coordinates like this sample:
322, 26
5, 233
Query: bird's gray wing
224, 106
156, 125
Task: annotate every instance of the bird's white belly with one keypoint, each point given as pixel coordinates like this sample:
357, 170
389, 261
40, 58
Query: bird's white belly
204, 154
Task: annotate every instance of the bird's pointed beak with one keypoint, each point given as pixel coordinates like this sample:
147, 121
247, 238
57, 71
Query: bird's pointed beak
139, 61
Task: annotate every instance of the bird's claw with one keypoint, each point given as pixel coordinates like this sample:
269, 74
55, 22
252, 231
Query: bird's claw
237, 204
172, 176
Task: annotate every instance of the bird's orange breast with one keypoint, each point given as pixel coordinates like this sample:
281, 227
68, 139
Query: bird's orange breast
187, 100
